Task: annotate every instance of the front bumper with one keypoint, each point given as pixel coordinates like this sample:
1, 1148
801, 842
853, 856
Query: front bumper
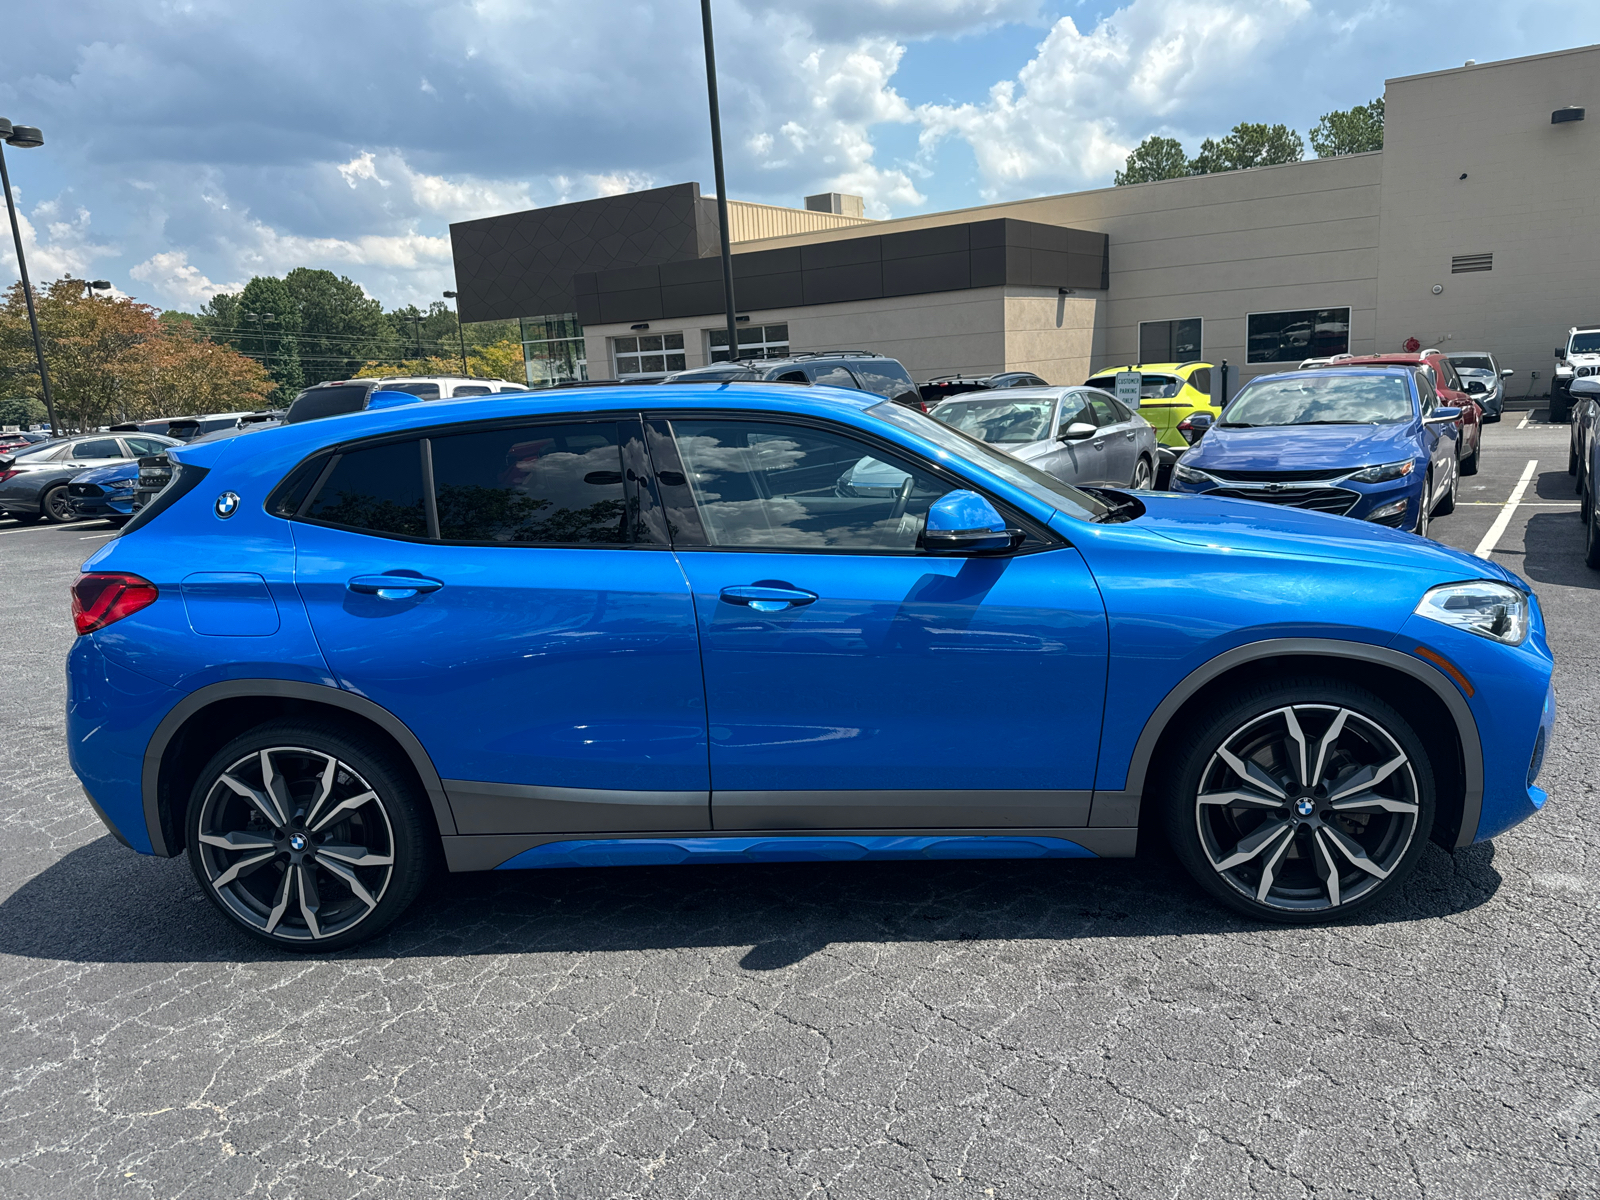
119, 505
1359, 501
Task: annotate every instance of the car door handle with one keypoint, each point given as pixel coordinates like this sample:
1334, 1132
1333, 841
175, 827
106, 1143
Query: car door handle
768, 597
393, 587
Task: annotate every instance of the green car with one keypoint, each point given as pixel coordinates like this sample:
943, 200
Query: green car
1168, 394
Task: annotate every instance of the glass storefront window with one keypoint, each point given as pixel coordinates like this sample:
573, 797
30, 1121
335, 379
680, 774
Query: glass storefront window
553, 349
755, 341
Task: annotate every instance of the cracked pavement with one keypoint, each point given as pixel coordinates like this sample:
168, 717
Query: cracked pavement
1049, 1029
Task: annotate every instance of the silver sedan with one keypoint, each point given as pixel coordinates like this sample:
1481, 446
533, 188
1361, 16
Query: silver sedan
1080, 435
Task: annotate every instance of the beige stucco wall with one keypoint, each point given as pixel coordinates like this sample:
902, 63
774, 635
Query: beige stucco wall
983, 331
749, 222
1531, 198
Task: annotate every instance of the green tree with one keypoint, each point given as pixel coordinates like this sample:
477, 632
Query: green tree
1154, 158
22, 411
268, 331
1248, 145
341, 326
1351, 131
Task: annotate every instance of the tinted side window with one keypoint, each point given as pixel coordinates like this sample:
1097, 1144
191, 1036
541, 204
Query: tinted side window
472, 389
378, 489
1430, 398
422, 391
99, 448
791, 487
1104, 414
542, 484
1448, 375
1200, 379
832, 375
884, 376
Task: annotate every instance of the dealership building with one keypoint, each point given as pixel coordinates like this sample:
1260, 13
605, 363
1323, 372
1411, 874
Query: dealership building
1472, 229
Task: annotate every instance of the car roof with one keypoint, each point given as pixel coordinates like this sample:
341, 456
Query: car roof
1170, 367
1342, 368
1401, 358
1049, 391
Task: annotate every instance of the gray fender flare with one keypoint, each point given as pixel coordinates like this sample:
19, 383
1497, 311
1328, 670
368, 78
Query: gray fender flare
281, 689
1437, 682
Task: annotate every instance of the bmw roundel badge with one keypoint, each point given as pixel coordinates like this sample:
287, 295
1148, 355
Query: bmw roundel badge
227, 504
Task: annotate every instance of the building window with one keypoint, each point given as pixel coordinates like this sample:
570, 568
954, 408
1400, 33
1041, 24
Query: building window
1291, 336
1169, 341
755, 341
553, 350
648, 357
1461, 264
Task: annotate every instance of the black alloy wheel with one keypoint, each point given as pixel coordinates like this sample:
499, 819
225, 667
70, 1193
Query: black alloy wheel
307, 838
56, 506
1301, 801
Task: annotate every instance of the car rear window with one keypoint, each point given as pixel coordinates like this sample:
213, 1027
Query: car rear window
1472, 362
315, 403
422, 391
884, 376
378, 489
472, 389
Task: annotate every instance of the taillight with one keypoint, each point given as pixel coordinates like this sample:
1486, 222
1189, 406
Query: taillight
102, 597
5, 475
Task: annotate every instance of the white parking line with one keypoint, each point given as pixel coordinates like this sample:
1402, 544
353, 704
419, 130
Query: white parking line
1525, 417
1507, 510
91, 537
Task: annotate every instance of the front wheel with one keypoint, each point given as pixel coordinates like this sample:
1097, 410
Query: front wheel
1301, 801
1591, 531
1424, 506
1448, 504
1143, 475
307, 838
56, 506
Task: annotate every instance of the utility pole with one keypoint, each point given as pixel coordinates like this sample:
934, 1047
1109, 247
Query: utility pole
722, 183
27, 137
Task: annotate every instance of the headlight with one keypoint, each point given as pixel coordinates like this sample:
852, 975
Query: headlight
1491, 610
1185, 474
1384, 473
122, 483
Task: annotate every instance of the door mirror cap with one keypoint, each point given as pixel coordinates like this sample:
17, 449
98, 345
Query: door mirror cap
1445, 412
1507, 373
1561, 351
964, 522
1077, 431
1475, 387
1587, 386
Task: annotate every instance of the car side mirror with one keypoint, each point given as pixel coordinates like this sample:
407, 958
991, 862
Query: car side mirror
1589, 386
1476, 388
1445, 412
964, 522
1561, 351
1077, 431
1507, 373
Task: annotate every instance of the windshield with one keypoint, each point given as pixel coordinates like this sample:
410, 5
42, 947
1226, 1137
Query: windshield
1010, 422
1321, 400
1063, 497
1472, 362
1585, 343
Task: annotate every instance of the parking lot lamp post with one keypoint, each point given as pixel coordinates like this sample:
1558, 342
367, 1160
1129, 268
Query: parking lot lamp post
460, 335
722, 183
26, 137
91, 286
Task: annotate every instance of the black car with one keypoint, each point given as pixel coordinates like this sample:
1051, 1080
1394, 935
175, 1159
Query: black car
942, 387
859, 370
33, 482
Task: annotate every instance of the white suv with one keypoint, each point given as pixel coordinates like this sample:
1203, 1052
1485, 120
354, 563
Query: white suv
1579, 358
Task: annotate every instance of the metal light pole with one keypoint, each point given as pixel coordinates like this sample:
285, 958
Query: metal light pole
416, 333
722, 184
460, 335
26, 137
91, 286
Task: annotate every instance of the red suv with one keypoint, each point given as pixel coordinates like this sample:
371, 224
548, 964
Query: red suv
1451, 391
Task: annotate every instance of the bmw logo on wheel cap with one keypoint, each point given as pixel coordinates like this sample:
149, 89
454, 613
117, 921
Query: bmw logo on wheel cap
227, 504
1305, 808
297, 841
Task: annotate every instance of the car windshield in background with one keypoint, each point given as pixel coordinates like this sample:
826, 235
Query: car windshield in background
1063, 497
1585, 343
1321, 400
1471, 362
995, 420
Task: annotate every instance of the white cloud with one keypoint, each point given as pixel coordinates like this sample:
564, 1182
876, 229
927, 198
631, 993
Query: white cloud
66, 246
171, 274
362, 166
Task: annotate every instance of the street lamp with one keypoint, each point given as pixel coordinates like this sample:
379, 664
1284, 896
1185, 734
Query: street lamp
91, 286
26, 137
722, 183
416, 332
460, 335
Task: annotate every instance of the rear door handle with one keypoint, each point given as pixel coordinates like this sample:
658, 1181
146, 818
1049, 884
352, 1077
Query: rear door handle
767, 598
393, 587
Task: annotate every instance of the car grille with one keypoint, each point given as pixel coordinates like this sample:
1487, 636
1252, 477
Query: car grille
84, 489
1328, 500
1276, 476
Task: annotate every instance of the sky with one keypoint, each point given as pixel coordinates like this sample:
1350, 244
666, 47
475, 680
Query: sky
191, 144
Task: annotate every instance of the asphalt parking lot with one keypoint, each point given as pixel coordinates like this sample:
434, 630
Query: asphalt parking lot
993, 1029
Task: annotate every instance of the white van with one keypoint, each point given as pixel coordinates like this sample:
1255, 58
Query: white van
446, 387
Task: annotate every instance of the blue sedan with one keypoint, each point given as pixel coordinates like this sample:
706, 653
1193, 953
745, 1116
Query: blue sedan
1376, 444
104, 492
614, 627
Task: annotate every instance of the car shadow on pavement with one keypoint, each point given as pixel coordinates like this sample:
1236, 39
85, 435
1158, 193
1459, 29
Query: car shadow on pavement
102, 904
1552, 551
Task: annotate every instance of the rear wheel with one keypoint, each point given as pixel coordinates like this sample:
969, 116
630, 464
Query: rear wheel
306, 838
55, 506
1469, 464
1143, 474
1301, 801
1591, 532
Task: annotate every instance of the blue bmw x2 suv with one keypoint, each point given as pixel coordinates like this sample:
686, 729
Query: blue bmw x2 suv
616, 626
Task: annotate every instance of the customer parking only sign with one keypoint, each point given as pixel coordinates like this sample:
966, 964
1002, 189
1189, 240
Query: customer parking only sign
1128, 383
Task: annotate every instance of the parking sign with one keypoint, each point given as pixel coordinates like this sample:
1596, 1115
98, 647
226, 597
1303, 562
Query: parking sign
1128, 384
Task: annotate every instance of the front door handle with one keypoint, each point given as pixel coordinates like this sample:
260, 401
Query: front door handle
393, 587
768, 597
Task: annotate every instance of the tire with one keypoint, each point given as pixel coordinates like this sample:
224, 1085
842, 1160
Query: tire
1292, 857
26, 518
1469, 465
271, 871
1560, 414
1424, 506
1591, 532
1143, 475
1572, 456
1448, 505
55, 507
